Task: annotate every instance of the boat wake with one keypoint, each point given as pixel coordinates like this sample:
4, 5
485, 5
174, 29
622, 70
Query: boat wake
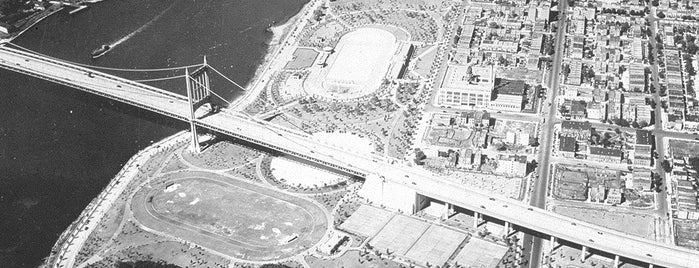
140, 29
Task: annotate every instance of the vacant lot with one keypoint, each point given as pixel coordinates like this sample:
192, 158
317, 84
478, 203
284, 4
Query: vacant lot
687, 234
635, 224
570, 184
683, 147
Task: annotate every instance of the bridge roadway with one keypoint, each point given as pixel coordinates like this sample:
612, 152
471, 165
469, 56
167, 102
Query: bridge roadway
304, 146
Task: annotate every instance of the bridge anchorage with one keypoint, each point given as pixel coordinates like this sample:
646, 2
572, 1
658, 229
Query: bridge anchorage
199, 95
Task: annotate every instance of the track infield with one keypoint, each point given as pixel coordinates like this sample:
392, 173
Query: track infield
232, 217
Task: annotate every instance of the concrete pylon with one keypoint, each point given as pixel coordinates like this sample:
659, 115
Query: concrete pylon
445, 211
476, 219
552, 244
195, 137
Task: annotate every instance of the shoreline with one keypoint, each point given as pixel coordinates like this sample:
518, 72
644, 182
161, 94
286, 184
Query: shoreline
70, 242
280, 35
34, 21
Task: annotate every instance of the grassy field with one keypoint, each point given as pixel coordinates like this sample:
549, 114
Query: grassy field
230, 216
221, 155
303, 58
570, 184
687, 234
425, 64
170, 252
683, 147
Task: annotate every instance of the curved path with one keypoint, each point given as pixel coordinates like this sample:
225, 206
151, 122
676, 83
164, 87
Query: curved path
315, 216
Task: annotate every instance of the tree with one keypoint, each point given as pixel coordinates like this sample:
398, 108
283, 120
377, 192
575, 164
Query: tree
419, 157
590, 73
566, 70
691, 48
667, 167
548, 47
622, 122
502, 61
145, 264
660, 14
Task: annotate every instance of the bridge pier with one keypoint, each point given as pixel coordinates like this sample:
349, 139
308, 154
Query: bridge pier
552, 245
583, 254
448, 210
195, 138
616, 261
476, 219
650, 265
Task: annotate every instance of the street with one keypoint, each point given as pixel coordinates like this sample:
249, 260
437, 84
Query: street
538, 196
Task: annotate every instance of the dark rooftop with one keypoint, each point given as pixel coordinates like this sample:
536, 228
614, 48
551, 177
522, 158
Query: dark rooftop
567, 144
509, 87
644, 137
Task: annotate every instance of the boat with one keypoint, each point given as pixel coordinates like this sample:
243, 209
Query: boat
100, 51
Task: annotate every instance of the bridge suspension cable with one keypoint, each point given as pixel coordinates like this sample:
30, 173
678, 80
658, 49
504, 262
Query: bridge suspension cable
212, 92
109, 68
229, 80
265, 125
160, 79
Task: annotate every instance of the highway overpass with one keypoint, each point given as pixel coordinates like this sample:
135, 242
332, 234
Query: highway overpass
408, 179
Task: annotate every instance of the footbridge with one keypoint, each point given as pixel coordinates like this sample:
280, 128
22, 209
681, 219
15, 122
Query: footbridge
392, 184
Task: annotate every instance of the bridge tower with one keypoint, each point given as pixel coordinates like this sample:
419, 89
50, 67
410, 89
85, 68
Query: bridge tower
198, 93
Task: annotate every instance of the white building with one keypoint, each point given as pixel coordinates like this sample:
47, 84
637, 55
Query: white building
466, 87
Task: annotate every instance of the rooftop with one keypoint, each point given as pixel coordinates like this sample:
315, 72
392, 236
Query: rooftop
644, 137
605, 151
575, 125
567, 144
509, 87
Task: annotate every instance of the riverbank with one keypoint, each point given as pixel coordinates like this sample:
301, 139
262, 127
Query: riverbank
283, 36
29, 22
279, 33
72, 239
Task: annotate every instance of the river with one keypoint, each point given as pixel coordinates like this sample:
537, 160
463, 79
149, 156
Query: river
59, 147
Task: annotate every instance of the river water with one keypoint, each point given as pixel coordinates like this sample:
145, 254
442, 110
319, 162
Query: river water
59, 147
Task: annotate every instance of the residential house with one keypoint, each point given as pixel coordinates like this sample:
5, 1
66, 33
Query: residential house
605, 155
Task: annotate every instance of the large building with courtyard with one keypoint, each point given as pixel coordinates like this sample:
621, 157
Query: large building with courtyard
466, 87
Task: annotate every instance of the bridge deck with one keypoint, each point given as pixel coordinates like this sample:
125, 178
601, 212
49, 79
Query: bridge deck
305, 146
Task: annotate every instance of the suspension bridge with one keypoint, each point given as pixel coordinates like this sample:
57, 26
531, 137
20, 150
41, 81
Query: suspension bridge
394, 185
